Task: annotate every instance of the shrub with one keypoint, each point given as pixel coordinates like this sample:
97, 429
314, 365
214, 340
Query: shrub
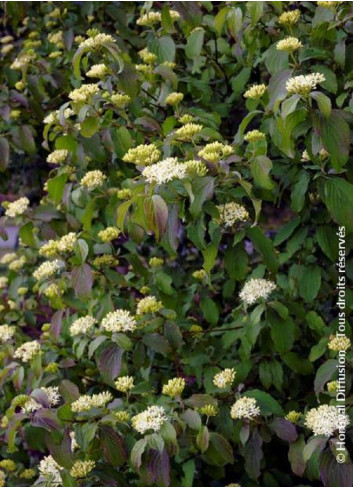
169, 316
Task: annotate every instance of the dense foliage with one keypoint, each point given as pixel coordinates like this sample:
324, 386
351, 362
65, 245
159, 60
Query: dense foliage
180, 176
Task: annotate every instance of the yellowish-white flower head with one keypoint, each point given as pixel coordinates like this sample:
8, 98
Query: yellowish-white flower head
231, 212
174, 387
122, 416
81, 468
3, 282
17, 208
8, 258
6, 333
156, 262
144, 155
119, 321
27, 351
304, 84
120, 100
82, 326
255, 91
84, 93
147, 57
225, 378
52, 394
245, 408
149, 19
86, 403
289, 18
200, 274
105, 261
255, 289
55, 54
8, 464
49, 249
290, 44
47, 269
305, 156
339, 343
209, 410
97, 41
170, 169
216, 151
186, 119
254, 136
6, 39
49, 471
124, 384
67, 242
93, 179
21, 62
332, 387
18, 264
329, 5
325, 420
148, 304
27, 474
174, 98
98, 71
109, 234
293, 416
150, 419
2, 479
188, 131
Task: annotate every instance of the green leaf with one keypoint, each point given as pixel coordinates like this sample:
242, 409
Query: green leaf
163, 47
260, 169
56, 187
324, 373
338, 196
298, 364
335, 134
194, 43
309, 280
137, 452
89, 126
328, 241
264, 246
210, 310
299, 191
323, 102
219, 452
113, 446
268, 405
282, 331
203, 439
236, 261
156, 342
4, 153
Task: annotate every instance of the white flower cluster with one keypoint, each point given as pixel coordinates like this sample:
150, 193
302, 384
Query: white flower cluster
67, 242
170, 169
53, 117
231, 212
86, 402
52, 394
57, 156
27, 351
144, 154
124, 384
97, 41
245, 407
47, 269
93, 179
3, 282
255, 289
148, 304
225, 378
17, 207
83, 93
255, 91
304, 84
49, 470
325, 420
289, 44
6, 332
215, 151
8, 258
82, 325
119, 321
97, 71
150, 419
